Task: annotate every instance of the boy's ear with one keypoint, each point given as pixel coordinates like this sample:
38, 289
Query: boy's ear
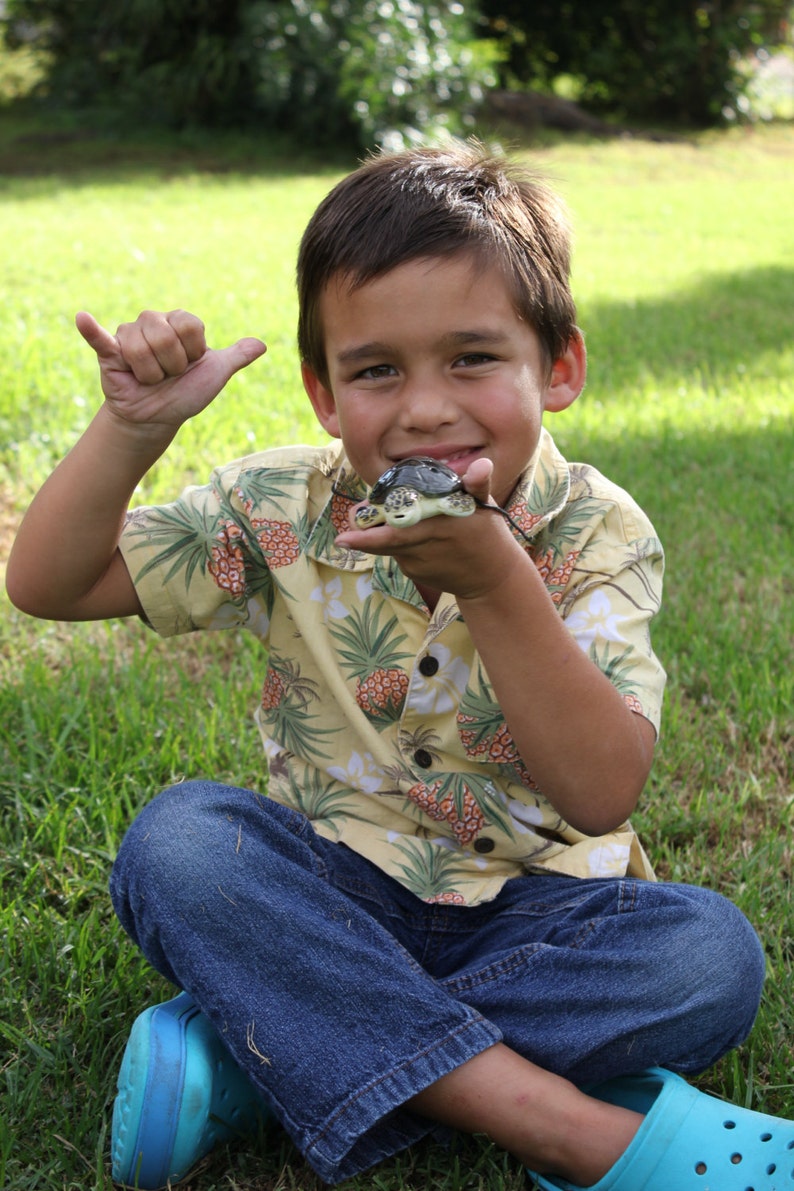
322, 400
568, 375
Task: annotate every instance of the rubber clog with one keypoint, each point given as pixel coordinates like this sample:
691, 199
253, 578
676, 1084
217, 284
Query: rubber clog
180, 1093
690, 1141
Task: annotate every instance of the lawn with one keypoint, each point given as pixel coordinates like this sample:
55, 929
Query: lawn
684, 275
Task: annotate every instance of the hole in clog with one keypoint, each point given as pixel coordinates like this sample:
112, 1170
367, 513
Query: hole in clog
729, 1124
771, 1168
701, 1168
736, 1159
766, 1137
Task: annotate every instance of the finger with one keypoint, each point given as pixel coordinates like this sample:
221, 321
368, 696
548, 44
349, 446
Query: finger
104, 344
164, 340
190, 331
151, 349
377, 539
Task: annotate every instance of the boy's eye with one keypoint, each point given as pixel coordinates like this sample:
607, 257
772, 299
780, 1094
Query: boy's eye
472, 359
375, 372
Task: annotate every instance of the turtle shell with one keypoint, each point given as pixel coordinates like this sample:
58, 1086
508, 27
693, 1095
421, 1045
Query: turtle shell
426, 476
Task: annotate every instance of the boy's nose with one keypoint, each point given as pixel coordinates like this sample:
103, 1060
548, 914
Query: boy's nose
425, 407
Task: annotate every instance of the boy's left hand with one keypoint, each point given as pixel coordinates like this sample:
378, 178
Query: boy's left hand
465, 556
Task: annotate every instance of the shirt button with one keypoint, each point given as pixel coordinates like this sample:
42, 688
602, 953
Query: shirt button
428, 666
484, 845
423, 758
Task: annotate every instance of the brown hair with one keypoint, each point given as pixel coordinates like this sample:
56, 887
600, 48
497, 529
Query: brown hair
432, 202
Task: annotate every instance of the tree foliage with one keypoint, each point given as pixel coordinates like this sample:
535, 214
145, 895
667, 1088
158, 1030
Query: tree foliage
395, 68
677, 61
378, 71
356, 70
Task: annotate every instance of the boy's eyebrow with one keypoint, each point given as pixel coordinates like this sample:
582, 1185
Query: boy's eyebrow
483, 335
362, 351
366, 351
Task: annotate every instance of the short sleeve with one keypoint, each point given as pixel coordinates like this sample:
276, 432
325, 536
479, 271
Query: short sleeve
196, 563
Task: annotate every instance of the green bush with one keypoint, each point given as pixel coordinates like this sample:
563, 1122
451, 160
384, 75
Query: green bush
674, 61
366, 71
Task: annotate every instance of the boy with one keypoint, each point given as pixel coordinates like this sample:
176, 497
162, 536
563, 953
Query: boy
440, 916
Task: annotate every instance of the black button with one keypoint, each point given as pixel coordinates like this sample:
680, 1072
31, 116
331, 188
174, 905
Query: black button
484, 845
428, 666
423, 758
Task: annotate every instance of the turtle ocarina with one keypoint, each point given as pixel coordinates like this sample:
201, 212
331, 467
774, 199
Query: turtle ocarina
412, 490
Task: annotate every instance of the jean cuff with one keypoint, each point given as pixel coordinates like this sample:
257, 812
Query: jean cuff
370, 1126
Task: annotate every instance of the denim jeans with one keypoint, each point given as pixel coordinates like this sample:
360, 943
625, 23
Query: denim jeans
342, 995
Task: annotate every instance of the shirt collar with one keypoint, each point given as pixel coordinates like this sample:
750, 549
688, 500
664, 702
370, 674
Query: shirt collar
541, 492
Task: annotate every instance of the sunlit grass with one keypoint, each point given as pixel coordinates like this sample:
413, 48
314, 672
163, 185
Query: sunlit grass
684, 275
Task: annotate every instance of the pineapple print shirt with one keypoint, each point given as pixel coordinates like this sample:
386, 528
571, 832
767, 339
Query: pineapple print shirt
377, 717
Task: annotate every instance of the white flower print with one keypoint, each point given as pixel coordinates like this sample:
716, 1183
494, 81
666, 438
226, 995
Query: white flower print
272, 748
442, 691
328, 594
441, 841
364, 587
597, 621
361, 773
524, 817
227, 616
608, 860
258, 620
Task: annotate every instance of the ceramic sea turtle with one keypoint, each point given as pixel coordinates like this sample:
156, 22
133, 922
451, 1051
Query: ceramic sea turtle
412, 490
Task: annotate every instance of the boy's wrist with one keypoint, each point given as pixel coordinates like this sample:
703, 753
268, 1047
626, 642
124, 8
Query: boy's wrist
147, 439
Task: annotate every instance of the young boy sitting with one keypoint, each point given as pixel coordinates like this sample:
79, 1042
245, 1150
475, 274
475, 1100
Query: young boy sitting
439, 916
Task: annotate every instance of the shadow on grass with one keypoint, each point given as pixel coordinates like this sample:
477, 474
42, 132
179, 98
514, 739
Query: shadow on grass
739, 481
708, 333
78, 149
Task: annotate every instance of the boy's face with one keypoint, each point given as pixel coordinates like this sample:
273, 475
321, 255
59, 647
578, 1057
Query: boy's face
432, 359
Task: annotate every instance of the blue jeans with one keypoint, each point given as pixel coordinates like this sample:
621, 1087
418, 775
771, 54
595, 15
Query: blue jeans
342, 995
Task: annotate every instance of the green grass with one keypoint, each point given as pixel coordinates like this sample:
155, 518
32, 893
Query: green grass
684, 274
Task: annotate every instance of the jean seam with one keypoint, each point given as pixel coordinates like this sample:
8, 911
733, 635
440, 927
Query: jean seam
627, 896
489, 973
588, 928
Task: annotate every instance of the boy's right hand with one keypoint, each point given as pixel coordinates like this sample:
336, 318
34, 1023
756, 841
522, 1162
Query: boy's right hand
159, 370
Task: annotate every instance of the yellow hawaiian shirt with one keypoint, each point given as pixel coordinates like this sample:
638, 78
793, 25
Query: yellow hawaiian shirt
377, 717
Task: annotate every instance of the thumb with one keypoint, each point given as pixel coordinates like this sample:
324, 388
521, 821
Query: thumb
239, 355
477, 480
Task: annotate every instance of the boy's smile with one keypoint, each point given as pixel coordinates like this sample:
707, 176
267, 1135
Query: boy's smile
432, 359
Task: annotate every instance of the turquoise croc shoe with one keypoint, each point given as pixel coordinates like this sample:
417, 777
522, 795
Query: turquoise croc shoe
691, 1141
180, 1093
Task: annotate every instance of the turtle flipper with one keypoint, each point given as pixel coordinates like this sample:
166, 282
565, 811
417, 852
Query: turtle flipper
367, 515
457, 504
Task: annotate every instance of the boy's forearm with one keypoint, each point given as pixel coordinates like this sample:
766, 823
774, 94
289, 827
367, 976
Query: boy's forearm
585, 749
65, 563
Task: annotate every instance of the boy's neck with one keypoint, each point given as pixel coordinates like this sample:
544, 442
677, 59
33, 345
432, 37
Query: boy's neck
429, 595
